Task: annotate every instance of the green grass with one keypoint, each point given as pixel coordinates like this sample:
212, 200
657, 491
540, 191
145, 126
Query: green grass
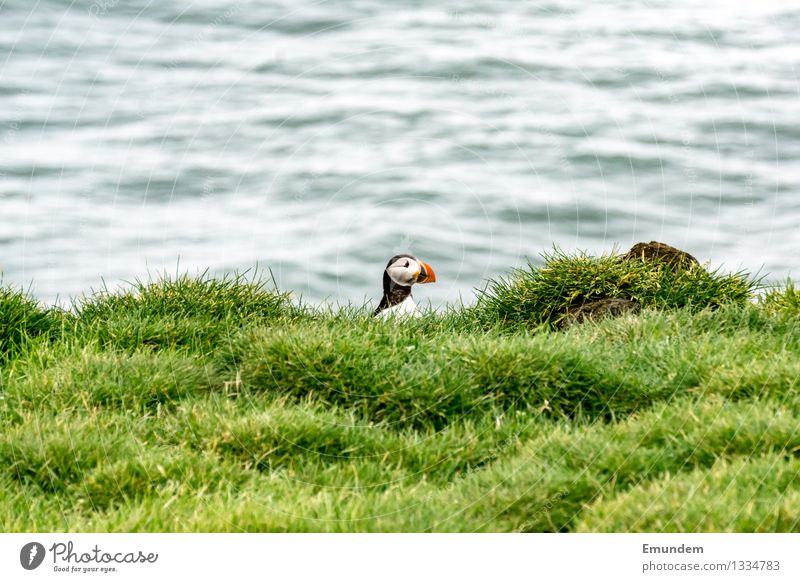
191, 313
547, 295
199, 404
22, 320
758, 494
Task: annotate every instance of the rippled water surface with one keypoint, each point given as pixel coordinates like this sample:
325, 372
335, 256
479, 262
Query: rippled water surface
318, 139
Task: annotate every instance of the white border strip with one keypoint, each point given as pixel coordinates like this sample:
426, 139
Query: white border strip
400, 557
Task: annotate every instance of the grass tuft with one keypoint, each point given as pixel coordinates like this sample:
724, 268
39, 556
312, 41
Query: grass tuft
21, 320
191, 312
784, 300
547, 295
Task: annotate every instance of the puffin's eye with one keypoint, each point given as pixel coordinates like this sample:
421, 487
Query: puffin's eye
407, 264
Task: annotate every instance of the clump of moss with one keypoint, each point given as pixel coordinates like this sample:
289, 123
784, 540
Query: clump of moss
22, 319
549, 294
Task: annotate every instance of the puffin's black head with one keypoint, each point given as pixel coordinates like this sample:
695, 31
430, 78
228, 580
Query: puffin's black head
401, 272
405, 270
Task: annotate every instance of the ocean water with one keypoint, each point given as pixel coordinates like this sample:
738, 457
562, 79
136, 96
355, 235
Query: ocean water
317, 139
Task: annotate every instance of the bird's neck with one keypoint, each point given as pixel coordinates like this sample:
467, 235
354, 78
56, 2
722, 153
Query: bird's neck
394, 293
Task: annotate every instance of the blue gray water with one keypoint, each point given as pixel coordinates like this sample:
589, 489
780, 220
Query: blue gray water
319, 138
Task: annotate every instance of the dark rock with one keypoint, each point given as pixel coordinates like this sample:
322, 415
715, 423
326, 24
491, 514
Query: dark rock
598, 309
656, 251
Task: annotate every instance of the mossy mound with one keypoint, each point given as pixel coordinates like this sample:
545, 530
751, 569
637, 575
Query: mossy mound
559, 290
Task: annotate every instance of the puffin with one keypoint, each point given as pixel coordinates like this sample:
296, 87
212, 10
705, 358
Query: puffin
401, 272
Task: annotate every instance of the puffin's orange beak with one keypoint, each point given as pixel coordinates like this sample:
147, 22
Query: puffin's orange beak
426, 274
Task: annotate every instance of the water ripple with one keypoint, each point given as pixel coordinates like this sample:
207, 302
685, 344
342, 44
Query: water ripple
319, 139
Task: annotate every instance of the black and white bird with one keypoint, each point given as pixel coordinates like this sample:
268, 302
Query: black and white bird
400, 274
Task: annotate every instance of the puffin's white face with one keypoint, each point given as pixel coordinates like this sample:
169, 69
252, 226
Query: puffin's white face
406, 271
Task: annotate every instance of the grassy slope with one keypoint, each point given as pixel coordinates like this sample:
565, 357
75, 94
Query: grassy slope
125, 413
